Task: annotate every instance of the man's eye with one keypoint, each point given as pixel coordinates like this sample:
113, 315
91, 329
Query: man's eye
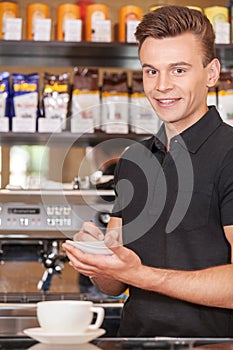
151, 71
179, 70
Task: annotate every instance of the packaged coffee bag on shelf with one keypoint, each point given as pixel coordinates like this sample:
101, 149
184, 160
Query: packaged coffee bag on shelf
219, 18
212, 97
56, 102
38, 22
115, 103
98, 23
69, 25
225, 96
129, 18
143, 119
25, 102
85, 105
4, 101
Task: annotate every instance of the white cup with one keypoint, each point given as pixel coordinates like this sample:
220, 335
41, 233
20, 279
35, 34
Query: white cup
68, 316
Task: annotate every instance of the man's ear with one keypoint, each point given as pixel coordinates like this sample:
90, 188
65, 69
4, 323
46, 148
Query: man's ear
214, 68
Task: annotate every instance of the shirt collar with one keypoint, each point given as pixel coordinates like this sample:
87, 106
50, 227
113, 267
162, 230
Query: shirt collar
195, 135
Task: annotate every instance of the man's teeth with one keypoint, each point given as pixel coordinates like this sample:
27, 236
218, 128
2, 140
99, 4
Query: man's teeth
166, 101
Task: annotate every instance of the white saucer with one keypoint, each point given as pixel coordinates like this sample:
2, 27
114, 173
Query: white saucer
91, 247
86, 346
63, 338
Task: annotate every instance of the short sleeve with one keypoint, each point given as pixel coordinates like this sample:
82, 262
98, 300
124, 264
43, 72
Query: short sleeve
116, 211
225, 187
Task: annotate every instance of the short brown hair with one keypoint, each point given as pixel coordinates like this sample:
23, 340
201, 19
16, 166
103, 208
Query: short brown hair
170, 21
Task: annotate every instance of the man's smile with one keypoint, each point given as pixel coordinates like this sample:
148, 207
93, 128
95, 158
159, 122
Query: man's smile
167, 101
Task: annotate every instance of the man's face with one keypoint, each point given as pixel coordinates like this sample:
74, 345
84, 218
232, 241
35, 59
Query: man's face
175, 81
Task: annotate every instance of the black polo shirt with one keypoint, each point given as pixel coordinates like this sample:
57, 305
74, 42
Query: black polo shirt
173, 206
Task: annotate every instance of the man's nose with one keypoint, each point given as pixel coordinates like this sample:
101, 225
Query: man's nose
164, 82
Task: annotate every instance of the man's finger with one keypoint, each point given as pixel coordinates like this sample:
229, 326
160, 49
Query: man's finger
112, 239
90, 228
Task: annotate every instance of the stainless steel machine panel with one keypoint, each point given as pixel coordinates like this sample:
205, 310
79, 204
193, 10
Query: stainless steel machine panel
25, 214
33, 225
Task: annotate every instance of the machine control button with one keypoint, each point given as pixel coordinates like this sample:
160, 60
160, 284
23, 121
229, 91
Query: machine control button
50, 210
104, 218
51, 222
67, 222
58, 210
24, 221
66, 210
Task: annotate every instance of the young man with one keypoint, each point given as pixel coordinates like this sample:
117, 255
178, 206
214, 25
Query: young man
174, 194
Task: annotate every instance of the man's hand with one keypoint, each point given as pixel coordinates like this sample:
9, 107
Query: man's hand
122, 265
89, 232
104, 270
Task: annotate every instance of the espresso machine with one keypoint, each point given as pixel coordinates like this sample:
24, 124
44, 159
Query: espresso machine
34, 267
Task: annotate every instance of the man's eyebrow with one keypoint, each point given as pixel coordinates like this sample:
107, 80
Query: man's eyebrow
181, 63
148, 65
175, 64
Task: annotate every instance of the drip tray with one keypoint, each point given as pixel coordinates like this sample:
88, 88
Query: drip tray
17, 309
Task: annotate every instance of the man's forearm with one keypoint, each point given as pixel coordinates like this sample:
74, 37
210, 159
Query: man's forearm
210, 287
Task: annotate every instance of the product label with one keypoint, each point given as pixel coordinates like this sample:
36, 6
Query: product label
56, 108
13, 29
226, 105
101, 28
37, 14
143, 119
211, 99
4, 124
86, 110
42, 29
130, 30
222, 33
23, 125
26, 105
67, 16
7, 14
115, 111
73, 30
101, 31
3, 97
49, 125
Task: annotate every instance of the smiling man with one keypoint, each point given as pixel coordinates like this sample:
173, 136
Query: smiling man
174, 194
177, 89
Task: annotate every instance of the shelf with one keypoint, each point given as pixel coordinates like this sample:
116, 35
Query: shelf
65, 139
225, 54
71, 54
68, 54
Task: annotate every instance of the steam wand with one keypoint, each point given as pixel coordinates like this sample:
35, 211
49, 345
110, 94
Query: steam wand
54, 264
